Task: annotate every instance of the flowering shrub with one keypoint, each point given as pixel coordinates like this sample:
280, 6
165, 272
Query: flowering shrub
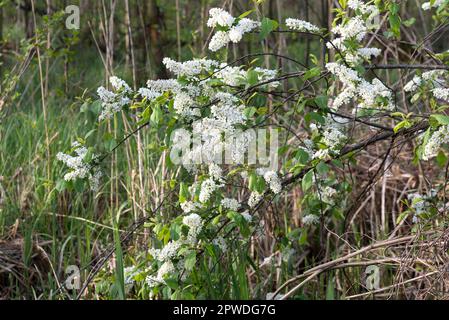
219, 102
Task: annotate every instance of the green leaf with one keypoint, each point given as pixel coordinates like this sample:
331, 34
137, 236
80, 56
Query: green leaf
79, 185
311, 73
302, 156
314, 116
109, 141
394, 19
402, 216
307, 181
61, 185
330, 290
190, 260
172, 283
249, 112
322, 168
119, 267
402, 124
321, 101
436, 120
156, 115
184, 193
441, 159
409, 22
252, 77
95, 107
267, 26
245, 14
256, 183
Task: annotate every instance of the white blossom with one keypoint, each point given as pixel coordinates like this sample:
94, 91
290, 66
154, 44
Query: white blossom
215, 171
166, 269
79, 168
273, 181
254, 199
189, 68
245, 25
310, 219
434, 143
301, 25
221, 243
354, 28
189, 206
219, 40
364, 8
169, 251
184, 105
231, 204
219, 17
367, 53
247, 216
436, 4
111, 103
195, 224
413, 84
119, 84
441, 93
207, 188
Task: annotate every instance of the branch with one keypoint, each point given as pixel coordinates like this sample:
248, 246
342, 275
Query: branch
406, 66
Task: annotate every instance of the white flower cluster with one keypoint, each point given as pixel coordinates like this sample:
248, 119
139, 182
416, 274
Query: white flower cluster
207, 188
221, 243
310, 219
247, 216
167, 268
211, 184
413, 84
436, 4
190, 68
421, 203
112, 102
370, 95
301, 25
363, 7
332, 135
328, 194
189, 206
235, 76
231, 76
231, 204
80, 169
353, 28
441, 93
244, 25
434, 143
185, 105
272, 179
184, 95
235, 28
435, 79
216, 131
219, 40
367, 53
119, 84
171, 251
254, 199
219, 17
195, 224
